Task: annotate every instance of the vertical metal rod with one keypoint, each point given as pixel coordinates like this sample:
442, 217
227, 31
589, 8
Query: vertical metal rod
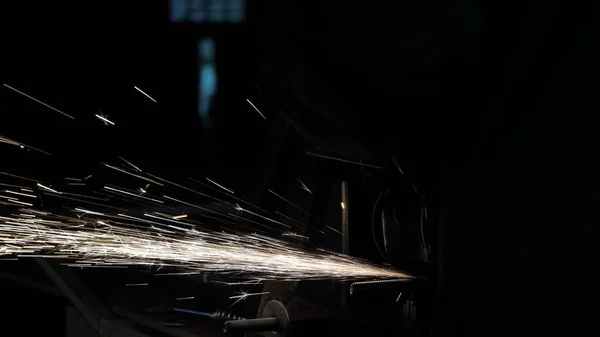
345, 234
345, 231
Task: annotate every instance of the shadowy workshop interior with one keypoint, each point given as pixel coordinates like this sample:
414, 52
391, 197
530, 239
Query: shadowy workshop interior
452, 140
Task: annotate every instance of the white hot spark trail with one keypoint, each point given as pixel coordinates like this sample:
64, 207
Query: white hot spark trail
101, 242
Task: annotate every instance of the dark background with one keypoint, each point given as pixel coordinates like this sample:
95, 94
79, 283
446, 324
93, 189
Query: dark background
85, 58
496, 101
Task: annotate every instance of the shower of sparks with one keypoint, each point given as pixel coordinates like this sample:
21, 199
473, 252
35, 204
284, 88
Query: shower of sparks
99, 240
221, 186
255, 108
38, 101
145, 94
104, 119
88, 233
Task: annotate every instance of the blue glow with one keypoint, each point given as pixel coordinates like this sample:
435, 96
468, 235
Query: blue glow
208, 11
193, 312
207, 77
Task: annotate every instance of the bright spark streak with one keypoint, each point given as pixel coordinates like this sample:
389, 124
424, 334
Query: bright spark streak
20, 177
130, 164
239, 208
132, 194
255, 108
295, 235
47, 188
185, 298
303, 186
145, 94
21, 145
343, 205
20, 202
33, 211
177, 217
8, 141
87, 212
131, 174
19, 193
221, 186
104, 119
37, 100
